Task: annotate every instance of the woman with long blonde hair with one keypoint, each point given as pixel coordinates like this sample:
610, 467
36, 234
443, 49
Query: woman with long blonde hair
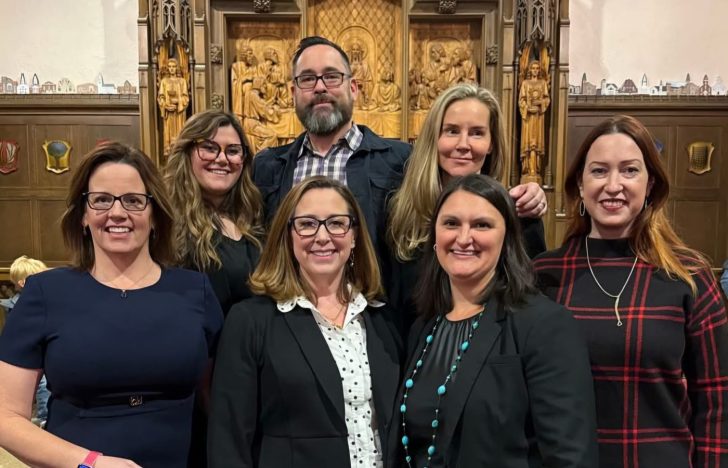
462, 134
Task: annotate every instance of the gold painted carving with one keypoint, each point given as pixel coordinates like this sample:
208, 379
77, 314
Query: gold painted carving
533, 102
440, 56
260, 83
172, 90
368, 31
491, 55
700, 154
216, 101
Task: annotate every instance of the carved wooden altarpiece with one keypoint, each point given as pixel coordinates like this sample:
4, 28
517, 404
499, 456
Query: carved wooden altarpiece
403, 54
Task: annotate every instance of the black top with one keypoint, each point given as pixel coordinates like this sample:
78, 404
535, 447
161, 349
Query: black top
99, 346
422, 397
230, 282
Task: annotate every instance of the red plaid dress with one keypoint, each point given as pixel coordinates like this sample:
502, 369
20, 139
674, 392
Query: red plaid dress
661, 379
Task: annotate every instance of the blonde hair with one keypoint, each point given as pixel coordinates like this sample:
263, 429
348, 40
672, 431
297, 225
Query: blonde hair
196, 221
412, 206
652, 237
24, 266
278, 274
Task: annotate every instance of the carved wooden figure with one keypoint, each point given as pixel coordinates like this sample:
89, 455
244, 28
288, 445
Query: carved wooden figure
533, 101
173, 99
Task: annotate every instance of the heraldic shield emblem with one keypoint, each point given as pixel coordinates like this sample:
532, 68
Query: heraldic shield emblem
9, 152
58, 155
700, 154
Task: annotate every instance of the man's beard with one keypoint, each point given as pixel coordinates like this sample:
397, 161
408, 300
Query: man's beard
324, 122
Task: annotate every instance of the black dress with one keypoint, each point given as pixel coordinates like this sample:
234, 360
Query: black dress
230, 282
422, 397
98, 347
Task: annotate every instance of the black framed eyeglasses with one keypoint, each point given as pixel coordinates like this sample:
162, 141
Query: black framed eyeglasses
208, 150
330, 79
103, 201
336, 225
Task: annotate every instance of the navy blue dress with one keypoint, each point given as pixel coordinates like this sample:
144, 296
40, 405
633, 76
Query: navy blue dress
99, 347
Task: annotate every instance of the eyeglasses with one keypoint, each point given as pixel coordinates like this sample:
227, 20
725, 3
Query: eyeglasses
103, 201
336, 225
330, 79
208, 150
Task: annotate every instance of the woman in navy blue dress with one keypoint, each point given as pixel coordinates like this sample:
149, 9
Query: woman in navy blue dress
123, 340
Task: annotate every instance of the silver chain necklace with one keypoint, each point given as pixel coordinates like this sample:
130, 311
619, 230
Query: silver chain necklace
616, 297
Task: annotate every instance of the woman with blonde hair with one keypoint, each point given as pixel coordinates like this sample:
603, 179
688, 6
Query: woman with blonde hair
306, 372
462, 134
648, 305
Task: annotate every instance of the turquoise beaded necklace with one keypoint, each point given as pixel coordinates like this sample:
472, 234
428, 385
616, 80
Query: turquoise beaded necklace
441, 390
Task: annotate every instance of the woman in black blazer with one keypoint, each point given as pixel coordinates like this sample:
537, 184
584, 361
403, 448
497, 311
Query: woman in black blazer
498, 375
307, 372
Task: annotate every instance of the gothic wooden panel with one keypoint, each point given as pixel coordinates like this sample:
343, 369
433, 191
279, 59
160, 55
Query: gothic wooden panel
17, 238
370, 31
440, 55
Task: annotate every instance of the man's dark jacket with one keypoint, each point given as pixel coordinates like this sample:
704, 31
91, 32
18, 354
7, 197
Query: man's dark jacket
374, 170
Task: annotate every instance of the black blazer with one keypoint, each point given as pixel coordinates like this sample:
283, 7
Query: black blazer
277, 399
523, 397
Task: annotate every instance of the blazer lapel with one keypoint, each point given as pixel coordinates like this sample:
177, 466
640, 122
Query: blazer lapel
383, 364
318, 355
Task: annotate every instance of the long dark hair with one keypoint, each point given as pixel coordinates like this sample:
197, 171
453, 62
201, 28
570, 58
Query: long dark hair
513, 278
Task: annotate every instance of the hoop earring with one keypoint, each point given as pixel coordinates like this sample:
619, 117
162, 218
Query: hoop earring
434, 247
646, 204
86, 230
582, 208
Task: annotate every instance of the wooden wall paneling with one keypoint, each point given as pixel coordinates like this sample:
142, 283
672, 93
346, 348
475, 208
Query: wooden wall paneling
17, 230
32, 198
48, 230
698, 224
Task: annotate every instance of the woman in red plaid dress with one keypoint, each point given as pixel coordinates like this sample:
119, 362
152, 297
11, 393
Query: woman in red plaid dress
649, 306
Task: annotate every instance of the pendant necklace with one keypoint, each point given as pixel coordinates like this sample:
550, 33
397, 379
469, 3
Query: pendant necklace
441, 390
616, 297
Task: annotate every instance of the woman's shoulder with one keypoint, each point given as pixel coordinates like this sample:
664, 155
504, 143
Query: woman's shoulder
60, 276
253, 308
537, 308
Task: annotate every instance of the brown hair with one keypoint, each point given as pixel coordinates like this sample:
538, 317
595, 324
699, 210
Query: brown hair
196, 220
278, 275
652, 237
81, 245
